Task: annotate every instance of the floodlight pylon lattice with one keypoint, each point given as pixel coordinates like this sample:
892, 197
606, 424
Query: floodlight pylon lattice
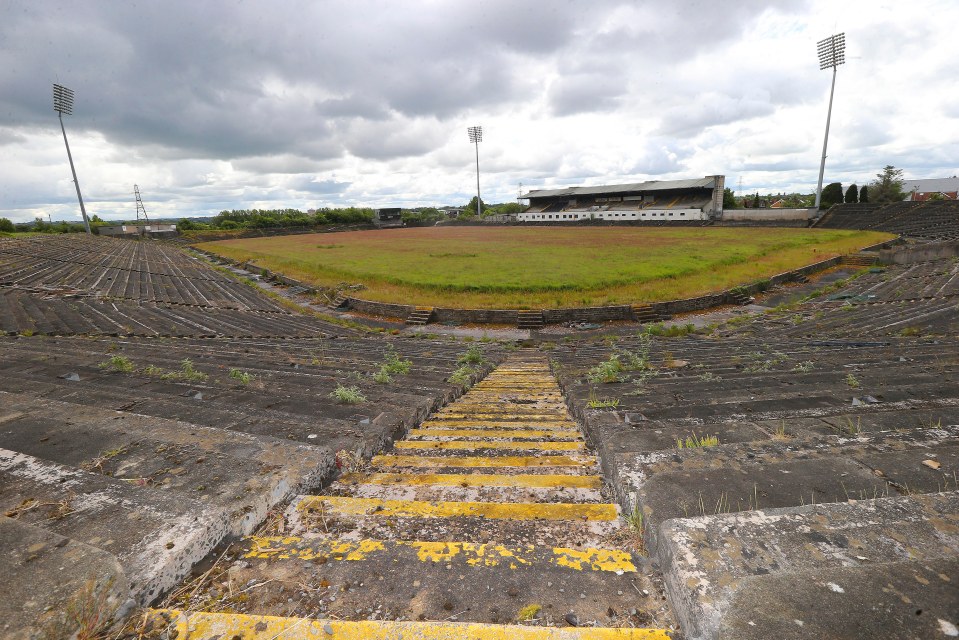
63, 103
476, 136
139, 202
832, 53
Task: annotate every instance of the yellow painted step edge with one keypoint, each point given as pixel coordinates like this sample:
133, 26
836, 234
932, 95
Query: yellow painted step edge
436, 432
336, 505
447, 445
466, 480
473, 554
203, 625
480, 462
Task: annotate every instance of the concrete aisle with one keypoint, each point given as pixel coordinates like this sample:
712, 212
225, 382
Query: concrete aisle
487, 521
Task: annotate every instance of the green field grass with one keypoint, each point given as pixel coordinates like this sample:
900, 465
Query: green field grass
502, 267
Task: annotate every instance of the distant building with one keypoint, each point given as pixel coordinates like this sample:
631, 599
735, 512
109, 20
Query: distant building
388, 217
934, 189
137, 230
653, 201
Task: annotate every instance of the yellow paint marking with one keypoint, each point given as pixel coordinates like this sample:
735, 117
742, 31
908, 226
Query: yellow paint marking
473, 554
441, 509
558, 425
596, 559
505, 416
481, 462
474, 480
442, 445
202, 625
566, 434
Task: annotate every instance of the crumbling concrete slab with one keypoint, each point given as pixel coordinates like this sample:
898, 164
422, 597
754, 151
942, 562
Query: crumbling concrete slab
156, 536
43, 573
902, 600
711, 562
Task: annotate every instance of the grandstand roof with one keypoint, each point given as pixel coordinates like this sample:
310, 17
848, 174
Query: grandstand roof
708, 182
946, 185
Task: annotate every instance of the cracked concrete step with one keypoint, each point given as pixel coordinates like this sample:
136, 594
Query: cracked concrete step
477, 487
728, 478
246, 475
156, 537
270, 627
818, 564
59, 571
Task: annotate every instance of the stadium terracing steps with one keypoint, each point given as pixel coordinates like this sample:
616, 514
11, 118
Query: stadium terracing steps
420, 316
792, 484
486, 521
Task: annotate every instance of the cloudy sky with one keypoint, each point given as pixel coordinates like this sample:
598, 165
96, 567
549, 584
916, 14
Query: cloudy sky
210, 105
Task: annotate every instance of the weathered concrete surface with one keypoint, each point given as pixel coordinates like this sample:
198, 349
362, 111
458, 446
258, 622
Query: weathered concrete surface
242, 474
43, 574
156, 537
712, 562
903, 600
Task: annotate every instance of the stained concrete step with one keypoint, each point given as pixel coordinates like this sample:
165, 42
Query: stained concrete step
61, 573
270, 627
747, 477
793, 572
244, 474
156, 537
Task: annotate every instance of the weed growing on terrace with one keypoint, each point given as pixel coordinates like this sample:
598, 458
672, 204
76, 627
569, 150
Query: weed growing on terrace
804, 367
241, 376
473, 356
347, 395
694, 442
595, 402
187, 373
606, 371
117, 363
87, 615
852, 381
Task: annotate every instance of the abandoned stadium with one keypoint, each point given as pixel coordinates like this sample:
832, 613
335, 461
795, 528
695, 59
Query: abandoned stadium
189, 452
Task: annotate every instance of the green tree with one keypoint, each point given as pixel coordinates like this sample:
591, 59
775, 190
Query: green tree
852, 194
470, 209
7, 226
887, 187
864, 194
729, 199
831, 194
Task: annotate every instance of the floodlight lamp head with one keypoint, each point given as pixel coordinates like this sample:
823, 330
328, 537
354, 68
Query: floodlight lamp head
475, 134
62, 100
832, 51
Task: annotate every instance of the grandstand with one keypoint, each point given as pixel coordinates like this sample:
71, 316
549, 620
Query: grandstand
929, 220
660, 201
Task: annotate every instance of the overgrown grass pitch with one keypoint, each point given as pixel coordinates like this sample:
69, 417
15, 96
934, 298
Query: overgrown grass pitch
524, 267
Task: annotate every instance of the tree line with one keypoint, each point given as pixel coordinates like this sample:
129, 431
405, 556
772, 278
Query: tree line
886, 188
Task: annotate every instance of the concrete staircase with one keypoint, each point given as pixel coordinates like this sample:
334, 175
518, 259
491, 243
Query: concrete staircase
645, 314
530, 319
859, 260
420, 316
339, 301
740, 298
487, 521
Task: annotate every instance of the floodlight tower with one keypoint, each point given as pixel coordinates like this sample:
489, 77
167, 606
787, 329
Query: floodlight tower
139, 203
832, 53
476, 136
63, 103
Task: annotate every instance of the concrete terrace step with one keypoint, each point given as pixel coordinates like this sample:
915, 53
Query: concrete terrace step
270, 627
170, 535
244, 474
59, 570
717, 566
530, 320
420, 316
438, 528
